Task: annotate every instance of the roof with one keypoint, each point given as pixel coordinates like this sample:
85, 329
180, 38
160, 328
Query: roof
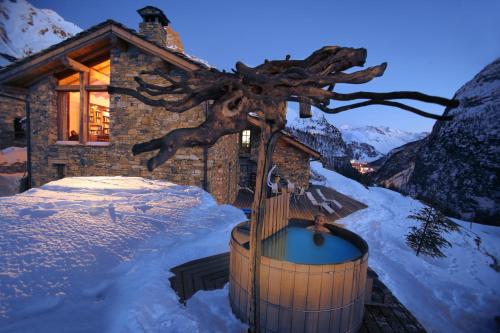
153, 11
289, 139
96, 38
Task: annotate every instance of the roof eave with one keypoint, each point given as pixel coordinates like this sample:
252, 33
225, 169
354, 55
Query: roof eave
96, 33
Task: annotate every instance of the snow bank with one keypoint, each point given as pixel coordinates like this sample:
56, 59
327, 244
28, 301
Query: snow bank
10, 183
459, 293
93, 255
12, 155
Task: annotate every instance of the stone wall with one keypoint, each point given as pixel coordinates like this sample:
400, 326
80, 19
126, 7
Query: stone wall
154, 32
223, 169
10, 109
131, 122
292, 163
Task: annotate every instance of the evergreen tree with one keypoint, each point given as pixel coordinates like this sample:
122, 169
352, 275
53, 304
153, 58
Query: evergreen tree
427, 238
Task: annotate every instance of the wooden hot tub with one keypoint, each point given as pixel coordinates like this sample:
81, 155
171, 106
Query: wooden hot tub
301, 297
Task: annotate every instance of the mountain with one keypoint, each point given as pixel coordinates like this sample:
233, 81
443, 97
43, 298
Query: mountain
321, 135
25, 29
369, 143
457, 166
363, 144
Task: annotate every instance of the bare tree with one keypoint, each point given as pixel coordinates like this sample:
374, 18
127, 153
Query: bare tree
264, 91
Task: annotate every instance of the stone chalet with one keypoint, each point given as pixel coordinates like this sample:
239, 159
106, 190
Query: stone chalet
74, 127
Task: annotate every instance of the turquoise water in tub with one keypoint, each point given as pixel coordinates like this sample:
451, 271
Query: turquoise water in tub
302, 246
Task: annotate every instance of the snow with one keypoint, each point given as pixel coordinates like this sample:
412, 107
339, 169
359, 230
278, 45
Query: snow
459, 293
26, 29
12, 155
10, 183
383, 138
93, 254
366, 143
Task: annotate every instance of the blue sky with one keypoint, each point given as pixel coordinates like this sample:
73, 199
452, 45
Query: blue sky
431, 46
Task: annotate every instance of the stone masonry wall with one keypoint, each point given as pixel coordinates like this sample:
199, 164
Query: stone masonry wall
223, 169
131, 122
9, 110
292, 163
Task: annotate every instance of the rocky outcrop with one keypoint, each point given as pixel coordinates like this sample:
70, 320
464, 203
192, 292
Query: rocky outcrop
325, 138
457, 167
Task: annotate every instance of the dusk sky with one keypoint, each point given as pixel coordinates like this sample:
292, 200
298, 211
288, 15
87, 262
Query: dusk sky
430, 46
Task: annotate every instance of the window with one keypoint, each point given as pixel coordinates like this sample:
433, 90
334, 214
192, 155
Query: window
19, 128
60, 172
83, 111
245, 141
98, 116
69, 116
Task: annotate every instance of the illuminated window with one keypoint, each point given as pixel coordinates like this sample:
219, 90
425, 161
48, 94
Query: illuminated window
95, 110
98, 116
245, 140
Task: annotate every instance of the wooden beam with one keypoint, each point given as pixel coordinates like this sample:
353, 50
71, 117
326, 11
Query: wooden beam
98, 75
103, 87
68, 87
84, 107
74, 65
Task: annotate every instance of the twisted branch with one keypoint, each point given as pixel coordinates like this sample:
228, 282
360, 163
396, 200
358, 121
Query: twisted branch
263, 89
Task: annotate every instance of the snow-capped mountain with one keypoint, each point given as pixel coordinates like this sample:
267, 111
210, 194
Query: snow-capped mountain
364, 144
457, 166
381, 138
25, 29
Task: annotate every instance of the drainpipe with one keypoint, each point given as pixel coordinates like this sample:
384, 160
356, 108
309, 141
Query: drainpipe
205, 155
28, 141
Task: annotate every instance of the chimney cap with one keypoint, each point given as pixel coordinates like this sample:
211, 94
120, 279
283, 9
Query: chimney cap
153, 12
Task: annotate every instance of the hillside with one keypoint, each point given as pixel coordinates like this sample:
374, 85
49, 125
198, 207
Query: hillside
458, 293
458, 166
25, 29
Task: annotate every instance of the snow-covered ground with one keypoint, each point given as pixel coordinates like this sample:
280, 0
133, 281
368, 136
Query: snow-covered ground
459, 293
12, 155
10, 182
93, 255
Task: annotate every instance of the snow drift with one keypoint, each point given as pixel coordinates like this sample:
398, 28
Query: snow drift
93, 254
459, 293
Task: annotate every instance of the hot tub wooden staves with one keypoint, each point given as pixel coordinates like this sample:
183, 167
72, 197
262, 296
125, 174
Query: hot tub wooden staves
301, 298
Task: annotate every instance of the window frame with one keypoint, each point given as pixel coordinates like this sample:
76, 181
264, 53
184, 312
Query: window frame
84, 88
244, 148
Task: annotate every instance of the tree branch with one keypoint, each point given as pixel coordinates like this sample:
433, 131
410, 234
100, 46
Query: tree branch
388, 103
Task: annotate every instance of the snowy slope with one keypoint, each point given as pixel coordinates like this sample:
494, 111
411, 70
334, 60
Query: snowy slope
93, 255
25, 29
460, 293
382, 138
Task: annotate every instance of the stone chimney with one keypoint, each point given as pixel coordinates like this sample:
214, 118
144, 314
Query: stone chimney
155, 26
